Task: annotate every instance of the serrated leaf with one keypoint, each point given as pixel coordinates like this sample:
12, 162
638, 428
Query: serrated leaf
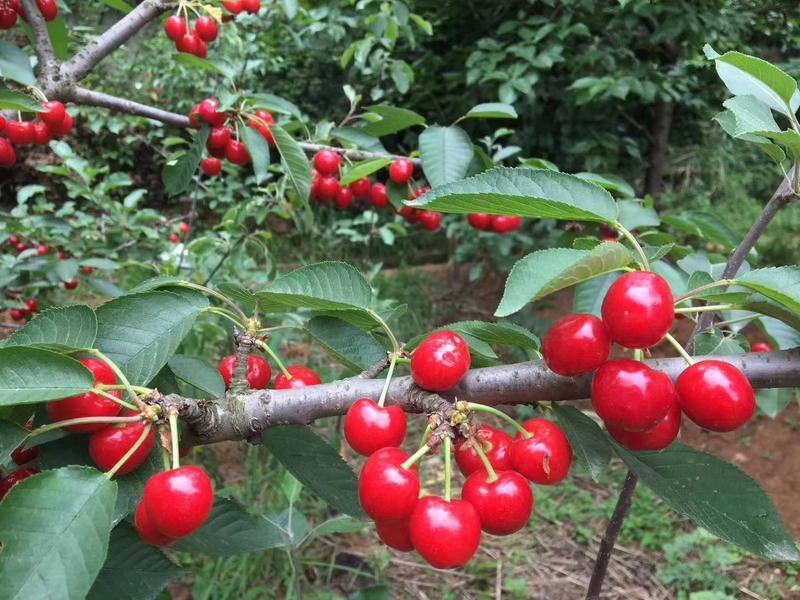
523, 192
781, 335
709, 491
492, 110
364, 169
10, 100
389, 119
633, 215
750, 115
66, 327
258, 149
339, 524
178, 175
55, 528
21, 380
15, 64
590, 445
11, 436
547, 271
509, 334
197, 373
276, 104
446, 153
610, 183
295, 162
359, 138
352, 346
704, 225
715, 341
325, 286
214, 66
240, 294
59, 37
781, 284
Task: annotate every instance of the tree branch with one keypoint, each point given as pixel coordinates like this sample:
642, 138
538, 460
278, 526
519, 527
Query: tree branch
91, 98
44, 48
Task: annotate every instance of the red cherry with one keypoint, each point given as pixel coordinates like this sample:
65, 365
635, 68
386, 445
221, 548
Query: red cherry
184, 227
17, 314
505, 223
32, 304
41, 250
48, 8
63, 128
504, 505
440, 361
236, 153
178, 502
328, 188
88, 404
208, 112
21, 133
327, 162
14, 239
87, 270
8, 155
8, 18
658, 437
401, 171
202, 49
17, 6
261, 125
716, 395
480, 221
421, 191
344, 198
109, 445
175, 28
218, 138
761, 347
71, 284
631, 395
301, 377
446, 534
369, 427
638, 309
378, 196
258, 371
61, 255
9, 481
233, 6
495, 443
189, 43
54, 112
42, 134
194, 116
430, 219
2, 120
395, 534
21, 455
387, 491
251, 6
361, 187
544, 458
211, 166
174, 238
21, 247
148, 533
576, 344
206, 28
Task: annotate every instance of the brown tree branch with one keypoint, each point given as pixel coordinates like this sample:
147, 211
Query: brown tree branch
86, 97
48, 63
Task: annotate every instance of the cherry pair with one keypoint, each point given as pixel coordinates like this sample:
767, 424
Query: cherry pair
11, 9
496, 223
259, 374
31, 307
236, 7
430, 220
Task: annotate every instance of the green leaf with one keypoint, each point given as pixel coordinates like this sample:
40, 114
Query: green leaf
59, 37
10, 100
214, 66
131, 486
350, 345
589, 444
492, 110
140, 332
357, 137
316, 465
610, 183
11, 436
197, 373
780, 334
178, 174
65, 327
633, 214
259, 151
339, 524
546, 271
295, 161
750, 114
363, 169
229, 531
133, 570
781, 284
773, 401
727, 120
275, 104
119, 5
509, 334
446, 153
325, 285
21, 380
703, 225
384, 120
55, 529
709, 492
589, 295
523, 192
15, 64
715, 341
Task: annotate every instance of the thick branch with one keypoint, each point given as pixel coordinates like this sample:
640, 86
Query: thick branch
91, 98
42, 44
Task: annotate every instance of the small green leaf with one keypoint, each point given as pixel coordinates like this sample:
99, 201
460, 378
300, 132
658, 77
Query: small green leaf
259, 151
384, 120
178, 175
610, 183
633, 215
215, 66
509, 334
352, 346
589, 444
197, 373
59, 37
357, 137
294, 160
780, 334
15, 64
65, 327
446, 153
492, 110
589, 295
119, 5
325, 286
781, 284
21, 380
10, 100
773, 401
364, 169
704, 225
275, 104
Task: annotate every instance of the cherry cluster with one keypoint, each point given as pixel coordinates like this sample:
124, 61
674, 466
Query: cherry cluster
259, 374
53, 122
641, 407
496, 497
183, 230
11, 9
496, 223
236, 7
194, 41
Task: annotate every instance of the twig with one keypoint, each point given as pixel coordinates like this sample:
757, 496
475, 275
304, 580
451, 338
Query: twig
81, 95
41, 38
225, 256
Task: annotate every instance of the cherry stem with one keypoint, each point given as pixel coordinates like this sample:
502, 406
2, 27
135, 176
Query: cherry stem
448, 469
221, 297
703, 288
499, 413
426, 435
707, 308
173, 432
121, 462
136, 388
221, 312
113, 398
414, 458
265, 347
389, 373
635, 243
485, 460
387, 329
82, 421
680, 349
638, 354
120, 375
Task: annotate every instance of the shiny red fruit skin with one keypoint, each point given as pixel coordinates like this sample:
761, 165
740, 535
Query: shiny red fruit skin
236, 153
263, 127
53, 114
495, 443
251, 6
430, 219
218, 137
48, 8
194, 116
8, 17
21, 247
211, 166
17, 314
148, 533
41, 134
378, 196
109, 445
206, 28
87, 270
343, 199
395, 534
446, 534
327, 162
301, 377
505, 223
63, 128
369, 427
174, 238
361, 187
20, 133
9, 481
440, 361
202, 49
576, 344
233, 6
207, 110
32, 304
71, 284
184, 227
8, 155
716, 395
504, 505
258, 371
638, 309
658, 437
386, 490
175, 28
401, 171
761, 347
178, 502
189, 43
630, 395
328, 188
546, 457
480, 221
87, 404
22, 456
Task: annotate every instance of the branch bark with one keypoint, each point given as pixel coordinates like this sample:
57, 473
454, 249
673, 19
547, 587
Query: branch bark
44, 47
83, 96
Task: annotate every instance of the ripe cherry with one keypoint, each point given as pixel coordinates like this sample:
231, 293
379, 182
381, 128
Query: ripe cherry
401, 171
88, 404
21, 247
8, 156
109, 445
544, 458
21, 133
173, 237
369, 427
41, 134
495, 443
218, 138
236, 153
21, 455
211, 166
658, 437
202, 48
638, 309
480, 221
504, 505
258, 371
328, 188
71, 284
505, 223
576, 344
343, 199
430, 219
8, 17
261, 125
32, 304
42, 249
184, 227
17, 314
14, 240
233, 6
178, 502
445, 533
54, 112
206, 28
361, 187
63, 128
208, 112
251, 6
761, 347
387, 491
87, 270
631, 395
378, 196
48, 8
327, 162
395, 534
440, 361
194, 116
301, 377
9, 481
61, 255
175, 28
148, 533
716, 395
189, 43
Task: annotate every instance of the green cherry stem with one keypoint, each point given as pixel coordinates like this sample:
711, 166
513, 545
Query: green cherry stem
387, 329
448, 469
414, 458
118, 372
485, 460
214, 293
635, 243
680, 349
638, 354
707, 308
704, 288
173, 433
125, 457
221, 312
83, 421
426, 435
136, 388
265, 347
113, 398
499, 413
389, 373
